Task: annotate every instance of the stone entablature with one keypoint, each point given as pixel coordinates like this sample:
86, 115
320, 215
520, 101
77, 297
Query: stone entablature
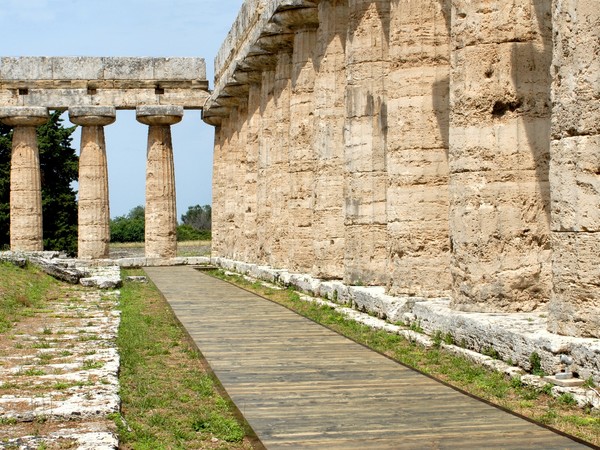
123, 83
437, 147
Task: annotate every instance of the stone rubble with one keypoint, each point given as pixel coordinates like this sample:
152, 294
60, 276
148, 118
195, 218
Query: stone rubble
60, 380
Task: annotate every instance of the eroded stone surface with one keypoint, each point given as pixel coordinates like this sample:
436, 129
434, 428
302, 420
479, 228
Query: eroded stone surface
60, 371
575, 169
425, 162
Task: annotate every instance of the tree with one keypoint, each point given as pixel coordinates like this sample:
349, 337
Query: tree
5, 150
59, 167
198, 217
129, 228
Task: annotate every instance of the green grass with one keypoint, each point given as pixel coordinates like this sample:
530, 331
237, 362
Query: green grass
23, 292
168, 399
560, 413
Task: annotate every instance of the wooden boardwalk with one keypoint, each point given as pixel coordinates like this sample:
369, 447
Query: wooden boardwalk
300, 385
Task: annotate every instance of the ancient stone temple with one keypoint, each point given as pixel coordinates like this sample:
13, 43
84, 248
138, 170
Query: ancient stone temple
92, 89
439, 148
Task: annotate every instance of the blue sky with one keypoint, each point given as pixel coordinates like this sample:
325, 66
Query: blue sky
130, 28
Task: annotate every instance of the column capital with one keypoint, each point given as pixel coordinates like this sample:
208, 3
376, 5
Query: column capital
297, 19
23, 115
159, 114
92, 115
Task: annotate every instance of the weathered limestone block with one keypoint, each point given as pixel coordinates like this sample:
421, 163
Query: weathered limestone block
498, 154
161, 211
329, 112
366, 131
575, 169
267, 143
25, 179
576, 68
575, 306
574, 172
301, 151
93, 202
279, 169
123, 82
417, 146
218, 229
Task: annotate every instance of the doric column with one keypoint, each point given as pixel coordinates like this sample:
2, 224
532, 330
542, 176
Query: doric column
161, 212
365, 134
498, 154
329, 117
279, 181
25, 183
252, 169
301, 151
417, 148
94, 211
575, 169
266, 144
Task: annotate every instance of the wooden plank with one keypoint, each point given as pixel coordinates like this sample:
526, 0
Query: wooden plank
300, 385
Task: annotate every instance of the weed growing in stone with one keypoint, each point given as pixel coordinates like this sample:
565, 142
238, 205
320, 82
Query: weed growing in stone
536, 364
89, 364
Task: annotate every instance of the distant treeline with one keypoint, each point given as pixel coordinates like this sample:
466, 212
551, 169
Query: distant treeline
196, 223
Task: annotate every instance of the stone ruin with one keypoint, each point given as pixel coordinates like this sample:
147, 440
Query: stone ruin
439, 148
432, 148
92, 89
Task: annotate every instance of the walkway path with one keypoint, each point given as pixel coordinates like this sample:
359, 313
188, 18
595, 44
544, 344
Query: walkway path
300, 385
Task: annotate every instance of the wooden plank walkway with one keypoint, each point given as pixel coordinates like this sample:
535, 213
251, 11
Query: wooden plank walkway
300, 385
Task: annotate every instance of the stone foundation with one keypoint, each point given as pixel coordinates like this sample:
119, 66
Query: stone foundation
512, 337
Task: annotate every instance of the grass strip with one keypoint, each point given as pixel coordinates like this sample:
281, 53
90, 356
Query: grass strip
22, 291
560, 413
168, 400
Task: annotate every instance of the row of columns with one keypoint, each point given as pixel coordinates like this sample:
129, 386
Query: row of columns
437, 147
94, 210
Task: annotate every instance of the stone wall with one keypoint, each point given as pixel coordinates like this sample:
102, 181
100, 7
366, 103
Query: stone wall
433, 147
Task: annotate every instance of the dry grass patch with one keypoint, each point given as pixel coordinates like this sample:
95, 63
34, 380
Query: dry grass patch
23, 293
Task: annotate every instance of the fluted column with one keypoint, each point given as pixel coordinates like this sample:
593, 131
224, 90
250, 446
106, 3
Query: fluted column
574, 307
265, 148
161, 212
25, 181
94, 210
299, 136
417, 148
329, 116
365, 140
498, 154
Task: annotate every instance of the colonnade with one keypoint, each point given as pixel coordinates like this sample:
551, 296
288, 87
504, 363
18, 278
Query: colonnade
94, 210
434, 147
